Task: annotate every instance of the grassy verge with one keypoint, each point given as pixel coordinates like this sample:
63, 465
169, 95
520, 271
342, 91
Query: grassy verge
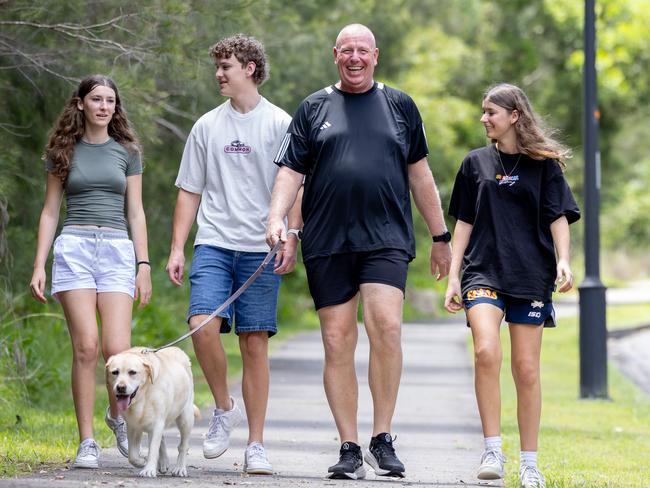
583, 443
33, 438
37, 423
624, 316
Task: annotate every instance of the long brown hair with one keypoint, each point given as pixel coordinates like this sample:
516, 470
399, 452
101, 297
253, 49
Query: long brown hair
70, 126
533, 137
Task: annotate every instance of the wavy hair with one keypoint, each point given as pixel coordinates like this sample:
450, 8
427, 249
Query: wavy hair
246, 49
69, 128
534, 138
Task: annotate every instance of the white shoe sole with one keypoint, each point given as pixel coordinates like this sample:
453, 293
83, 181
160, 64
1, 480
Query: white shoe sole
213, 454
261, 471
489, 474
370, 459
86, 464
359, 474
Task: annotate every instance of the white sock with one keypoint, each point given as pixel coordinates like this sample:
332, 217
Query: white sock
493, 443
528, 458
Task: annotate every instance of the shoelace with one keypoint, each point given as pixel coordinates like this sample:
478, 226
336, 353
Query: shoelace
493, 457
88, 448
530, 473
385, 448
257, 453
348, 455
121, 431
216, 422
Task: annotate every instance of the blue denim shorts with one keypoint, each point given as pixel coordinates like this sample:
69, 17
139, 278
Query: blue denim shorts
517, 310
216, 273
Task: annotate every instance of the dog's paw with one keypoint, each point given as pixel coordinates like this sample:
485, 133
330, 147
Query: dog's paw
180, 471
137, 461
147, 473
163, 465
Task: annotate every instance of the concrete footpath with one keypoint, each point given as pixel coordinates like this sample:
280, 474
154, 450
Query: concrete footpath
438, 430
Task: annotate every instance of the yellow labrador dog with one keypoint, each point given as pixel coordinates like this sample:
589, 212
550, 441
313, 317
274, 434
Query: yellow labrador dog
153, 390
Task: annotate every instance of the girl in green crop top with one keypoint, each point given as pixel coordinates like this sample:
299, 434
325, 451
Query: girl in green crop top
93, 159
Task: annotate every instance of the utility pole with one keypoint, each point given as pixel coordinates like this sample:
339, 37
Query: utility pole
593, 326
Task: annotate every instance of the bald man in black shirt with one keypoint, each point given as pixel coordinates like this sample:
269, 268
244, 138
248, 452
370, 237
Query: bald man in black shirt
361, 149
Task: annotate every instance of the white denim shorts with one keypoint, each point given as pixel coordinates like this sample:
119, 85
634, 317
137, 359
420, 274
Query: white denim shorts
103, 260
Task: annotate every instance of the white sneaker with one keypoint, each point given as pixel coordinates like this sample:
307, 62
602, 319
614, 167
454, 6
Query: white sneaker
87, 455
118, 426
491, 467
221, 425
530, 477
255, 460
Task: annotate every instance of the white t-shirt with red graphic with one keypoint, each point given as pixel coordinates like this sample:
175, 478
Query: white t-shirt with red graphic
228, 160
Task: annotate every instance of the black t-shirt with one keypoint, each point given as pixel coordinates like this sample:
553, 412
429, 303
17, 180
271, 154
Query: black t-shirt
354, 150
511, 247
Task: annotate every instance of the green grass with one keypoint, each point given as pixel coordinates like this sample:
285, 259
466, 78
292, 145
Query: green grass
35, 360
624, 316
583, 443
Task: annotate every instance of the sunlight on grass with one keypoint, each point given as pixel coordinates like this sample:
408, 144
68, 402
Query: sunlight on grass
622, 316
583, 443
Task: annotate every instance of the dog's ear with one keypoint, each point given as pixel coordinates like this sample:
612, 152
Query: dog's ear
151, 366
107, 369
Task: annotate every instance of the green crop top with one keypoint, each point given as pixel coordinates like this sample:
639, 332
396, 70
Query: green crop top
96, 185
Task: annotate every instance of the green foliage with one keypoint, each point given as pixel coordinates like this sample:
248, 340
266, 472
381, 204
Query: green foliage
444, 54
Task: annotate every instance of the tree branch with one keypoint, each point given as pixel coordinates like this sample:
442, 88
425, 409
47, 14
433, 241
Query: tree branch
171, 127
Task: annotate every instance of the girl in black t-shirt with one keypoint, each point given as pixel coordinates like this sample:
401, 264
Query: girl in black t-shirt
513, 209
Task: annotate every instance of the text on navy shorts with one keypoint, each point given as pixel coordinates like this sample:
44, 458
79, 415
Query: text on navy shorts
517, 310
93, 258
335, 279
216, 273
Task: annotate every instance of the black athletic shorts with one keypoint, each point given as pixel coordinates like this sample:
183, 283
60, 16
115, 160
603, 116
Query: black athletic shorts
335, 279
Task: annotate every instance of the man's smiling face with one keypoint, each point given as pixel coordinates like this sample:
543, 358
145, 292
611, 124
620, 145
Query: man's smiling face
356, 56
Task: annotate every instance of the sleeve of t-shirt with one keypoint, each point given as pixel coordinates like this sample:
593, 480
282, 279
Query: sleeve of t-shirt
191, 174
557, 197
462, 205
134, 164
282, 127
418, 148
294, 150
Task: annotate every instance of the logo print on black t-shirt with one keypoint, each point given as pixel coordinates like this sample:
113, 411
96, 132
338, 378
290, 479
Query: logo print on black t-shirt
507, 180
238, 147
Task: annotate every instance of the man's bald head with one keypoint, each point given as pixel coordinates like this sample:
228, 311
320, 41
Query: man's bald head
355, 56
355, 30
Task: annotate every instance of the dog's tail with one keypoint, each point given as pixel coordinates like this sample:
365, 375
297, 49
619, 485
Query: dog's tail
197, 413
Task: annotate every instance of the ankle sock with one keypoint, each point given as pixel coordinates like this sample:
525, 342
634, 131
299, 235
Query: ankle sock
528, 458
493, 443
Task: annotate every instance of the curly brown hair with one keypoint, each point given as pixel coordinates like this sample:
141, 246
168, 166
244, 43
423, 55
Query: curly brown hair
69, 128
246, 49
533, 137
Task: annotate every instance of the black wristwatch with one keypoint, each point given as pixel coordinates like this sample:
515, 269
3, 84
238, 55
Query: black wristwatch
446, 237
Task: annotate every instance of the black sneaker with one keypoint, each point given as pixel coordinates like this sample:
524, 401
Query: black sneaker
350, 465
381, 456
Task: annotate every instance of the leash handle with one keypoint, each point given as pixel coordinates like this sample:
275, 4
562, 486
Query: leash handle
232, 298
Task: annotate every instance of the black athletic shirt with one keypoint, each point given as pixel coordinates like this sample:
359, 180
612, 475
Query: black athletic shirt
511, 247
354, 150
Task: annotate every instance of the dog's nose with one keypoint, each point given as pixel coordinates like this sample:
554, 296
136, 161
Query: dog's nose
120, 389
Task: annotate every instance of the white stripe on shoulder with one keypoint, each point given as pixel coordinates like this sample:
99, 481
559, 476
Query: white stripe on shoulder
329, 89
380, 85
283, 148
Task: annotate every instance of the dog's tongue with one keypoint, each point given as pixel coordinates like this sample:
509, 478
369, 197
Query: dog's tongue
123, 403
